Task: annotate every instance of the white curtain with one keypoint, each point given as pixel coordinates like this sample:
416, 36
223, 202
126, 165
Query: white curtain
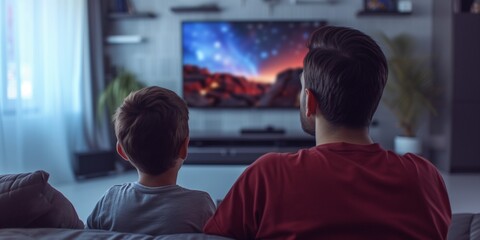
44, 84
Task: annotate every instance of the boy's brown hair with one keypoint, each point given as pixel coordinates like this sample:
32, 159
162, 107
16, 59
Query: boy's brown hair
152, 125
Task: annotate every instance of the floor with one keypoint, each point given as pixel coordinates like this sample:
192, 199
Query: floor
464, 189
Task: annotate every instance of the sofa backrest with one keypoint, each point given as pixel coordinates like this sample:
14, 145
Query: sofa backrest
72, 234
465, 226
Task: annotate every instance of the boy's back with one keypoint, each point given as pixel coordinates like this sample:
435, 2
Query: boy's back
132, 207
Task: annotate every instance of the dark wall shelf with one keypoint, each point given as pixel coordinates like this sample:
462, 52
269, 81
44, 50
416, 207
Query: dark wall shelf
372, 13
192, 9
139, 15
114, 39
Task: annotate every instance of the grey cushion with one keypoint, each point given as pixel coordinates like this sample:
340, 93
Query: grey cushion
464, 226
28, 200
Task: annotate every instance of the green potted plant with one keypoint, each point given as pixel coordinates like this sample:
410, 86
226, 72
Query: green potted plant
116, 91
409, 91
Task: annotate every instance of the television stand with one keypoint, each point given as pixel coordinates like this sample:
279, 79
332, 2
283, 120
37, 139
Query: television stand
266, 130
242, 149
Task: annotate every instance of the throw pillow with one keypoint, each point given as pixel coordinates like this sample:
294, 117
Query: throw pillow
27, 200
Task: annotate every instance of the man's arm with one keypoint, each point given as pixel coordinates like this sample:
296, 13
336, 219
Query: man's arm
237, 215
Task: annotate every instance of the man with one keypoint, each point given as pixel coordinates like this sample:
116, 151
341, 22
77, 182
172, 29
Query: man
346, 187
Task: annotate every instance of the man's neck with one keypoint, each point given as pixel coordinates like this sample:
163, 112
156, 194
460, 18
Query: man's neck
326, 134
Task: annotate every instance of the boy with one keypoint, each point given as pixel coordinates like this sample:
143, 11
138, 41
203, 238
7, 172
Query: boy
152, 131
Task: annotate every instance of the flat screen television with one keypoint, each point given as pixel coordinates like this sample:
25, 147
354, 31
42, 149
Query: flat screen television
244, 64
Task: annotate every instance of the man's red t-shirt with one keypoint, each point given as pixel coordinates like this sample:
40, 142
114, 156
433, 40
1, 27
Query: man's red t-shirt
335, 191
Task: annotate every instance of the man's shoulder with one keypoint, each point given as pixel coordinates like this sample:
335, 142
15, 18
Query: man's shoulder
274, 160
275, 156
411, 157
420, 162
271, 156
269, 159
415, 157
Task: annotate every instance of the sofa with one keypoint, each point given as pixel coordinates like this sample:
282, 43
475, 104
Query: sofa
71, 234
32, 209
465, 226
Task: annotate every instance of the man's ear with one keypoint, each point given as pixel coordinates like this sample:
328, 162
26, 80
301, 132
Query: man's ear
121, 152
310, 102
184, 149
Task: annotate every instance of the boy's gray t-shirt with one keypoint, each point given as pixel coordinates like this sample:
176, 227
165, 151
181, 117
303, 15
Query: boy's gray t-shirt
135, 208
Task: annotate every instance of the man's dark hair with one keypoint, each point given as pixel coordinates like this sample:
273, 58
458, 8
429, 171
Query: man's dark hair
151, 126
347, 71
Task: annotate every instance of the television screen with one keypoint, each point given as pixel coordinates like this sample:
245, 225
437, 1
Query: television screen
239, 64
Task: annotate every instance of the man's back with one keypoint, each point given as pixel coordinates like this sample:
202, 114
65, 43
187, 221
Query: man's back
336, 191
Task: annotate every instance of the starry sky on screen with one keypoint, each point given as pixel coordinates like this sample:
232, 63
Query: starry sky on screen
257, 51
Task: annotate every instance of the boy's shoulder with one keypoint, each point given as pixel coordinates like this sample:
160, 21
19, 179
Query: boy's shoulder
194, 192
125, 187
198, 196
128, 185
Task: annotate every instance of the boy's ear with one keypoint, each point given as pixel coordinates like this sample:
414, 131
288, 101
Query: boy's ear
121, 152
311, 103
184, 149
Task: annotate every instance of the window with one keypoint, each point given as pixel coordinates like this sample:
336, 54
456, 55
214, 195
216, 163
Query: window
17, 55
2, 52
